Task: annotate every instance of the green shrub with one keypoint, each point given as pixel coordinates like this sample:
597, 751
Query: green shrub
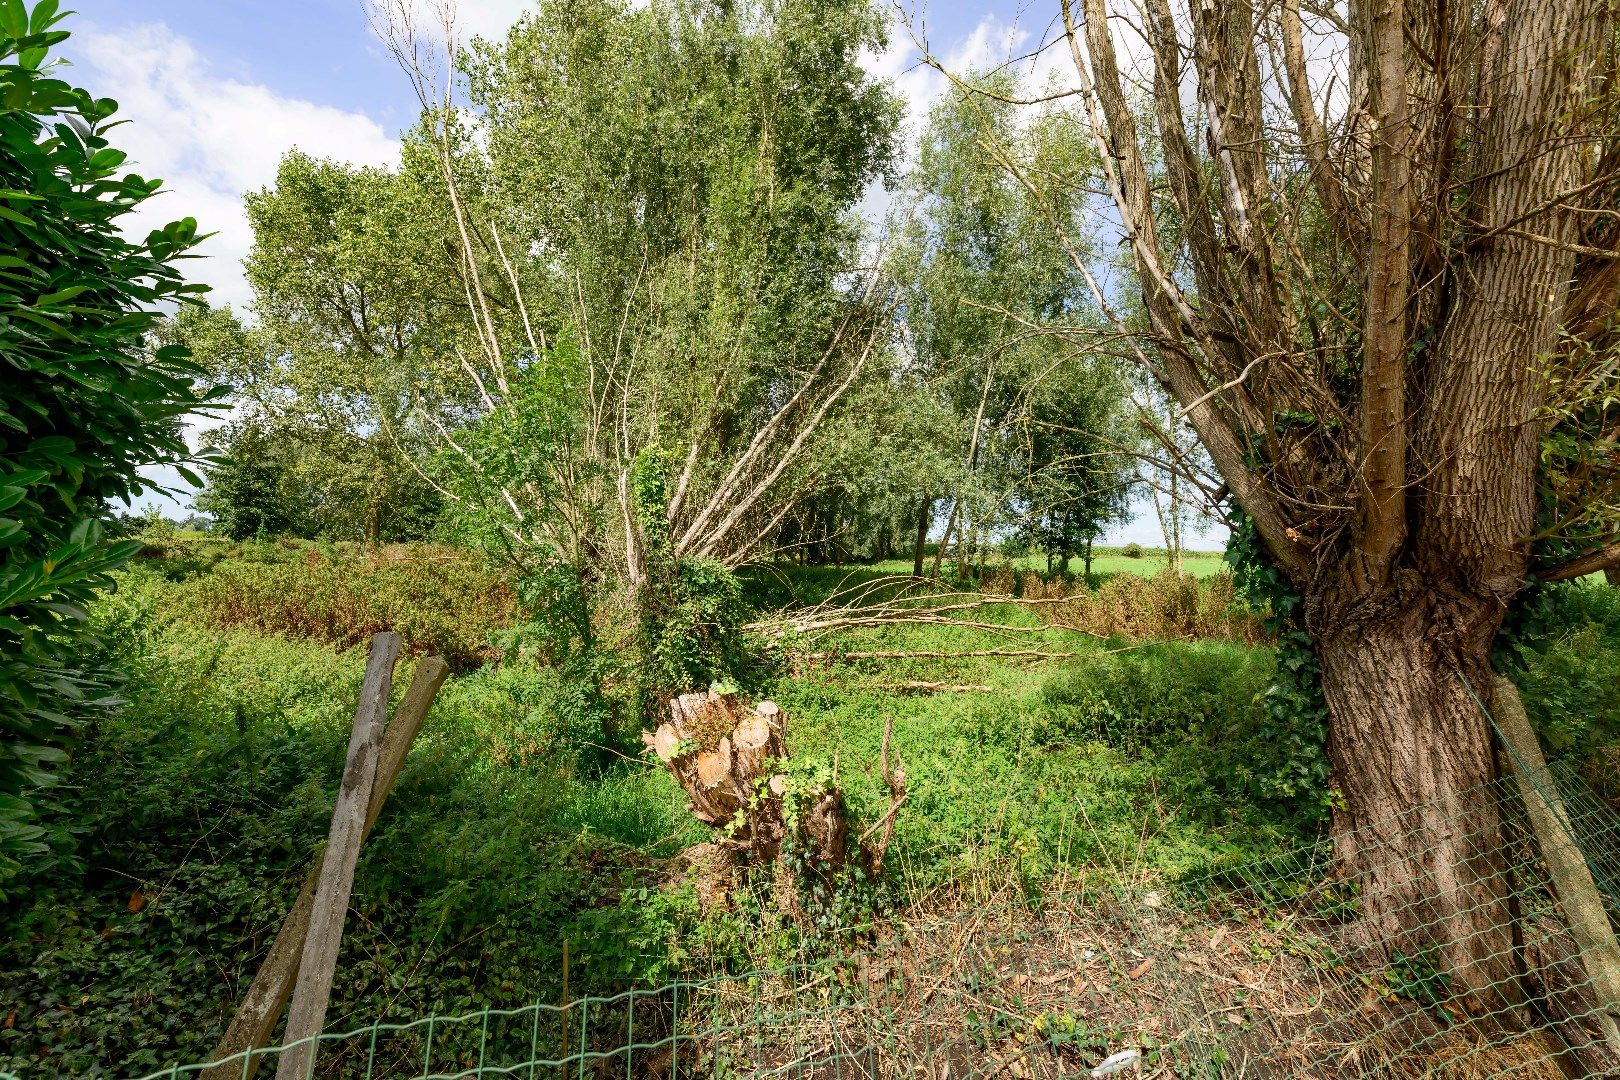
439, 599
689, 610
1570, 678
201, 802
85, 397
1132, 551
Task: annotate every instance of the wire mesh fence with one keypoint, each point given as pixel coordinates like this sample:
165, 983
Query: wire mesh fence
1265, 969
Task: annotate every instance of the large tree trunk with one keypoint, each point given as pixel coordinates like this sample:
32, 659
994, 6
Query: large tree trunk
1418, 828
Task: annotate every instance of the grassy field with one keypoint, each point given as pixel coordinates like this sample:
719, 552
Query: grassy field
1108, 561
523, 821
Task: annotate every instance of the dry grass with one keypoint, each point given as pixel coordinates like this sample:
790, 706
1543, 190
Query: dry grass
441, 600
981, 984
1167, 606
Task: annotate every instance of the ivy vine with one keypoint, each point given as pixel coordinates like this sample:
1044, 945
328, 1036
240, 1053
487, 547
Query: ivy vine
1290, 764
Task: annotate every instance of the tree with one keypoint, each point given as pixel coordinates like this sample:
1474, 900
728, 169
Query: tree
1077, 471
249, 492
1374, 297
991, 303
661, 313
87, 398
352, 294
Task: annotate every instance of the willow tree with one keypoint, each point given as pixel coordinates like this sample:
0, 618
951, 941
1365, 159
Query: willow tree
648, 213
1380, 283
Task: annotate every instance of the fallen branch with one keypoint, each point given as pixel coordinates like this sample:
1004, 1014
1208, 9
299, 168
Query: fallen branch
907, 607
947, 654
947, 688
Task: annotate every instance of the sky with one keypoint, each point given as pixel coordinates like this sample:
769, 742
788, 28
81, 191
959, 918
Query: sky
216, 91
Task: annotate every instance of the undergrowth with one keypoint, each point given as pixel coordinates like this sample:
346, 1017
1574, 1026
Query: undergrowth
192, 812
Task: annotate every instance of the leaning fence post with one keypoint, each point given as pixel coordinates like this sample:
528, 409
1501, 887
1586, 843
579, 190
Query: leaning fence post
306, 1017
266, 998
1566, 864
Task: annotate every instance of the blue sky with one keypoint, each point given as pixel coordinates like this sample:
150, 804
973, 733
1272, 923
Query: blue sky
216, 91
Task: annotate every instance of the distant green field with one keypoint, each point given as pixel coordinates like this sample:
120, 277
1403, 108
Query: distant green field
1200, 564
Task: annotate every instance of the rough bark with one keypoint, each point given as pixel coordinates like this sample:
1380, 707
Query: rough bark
1368, 374
1419, 828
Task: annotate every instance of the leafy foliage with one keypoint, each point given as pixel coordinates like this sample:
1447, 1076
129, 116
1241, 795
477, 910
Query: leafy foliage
1293, 761
502, 837
440, 600
247, 493
690, 609
993, 303
86, 398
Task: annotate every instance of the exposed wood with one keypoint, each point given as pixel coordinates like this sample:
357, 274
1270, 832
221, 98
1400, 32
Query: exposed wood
1571, 876
718, 750
255, 1020
306, 1016
938, 687
946, 654
895, 780
731, 762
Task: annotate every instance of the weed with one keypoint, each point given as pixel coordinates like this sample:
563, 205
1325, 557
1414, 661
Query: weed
1419, 978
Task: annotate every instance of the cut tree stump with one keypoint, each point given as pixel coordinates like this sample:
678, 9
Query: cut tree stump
730, 760
266, 999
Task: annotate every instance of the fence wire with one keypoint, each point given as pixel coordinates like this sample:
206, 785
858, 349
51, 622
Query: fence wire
1258, 970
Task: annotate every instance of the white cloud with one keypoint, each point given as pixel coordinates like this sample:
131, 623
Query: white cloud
489, 18
919, 86
211, 138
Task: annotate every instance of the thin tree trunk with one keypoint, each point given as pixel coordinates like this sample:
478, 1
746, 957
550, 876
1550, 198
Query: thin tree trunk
925, 513
945, 537
971, 464
1164, 526
1418, 829
1175, 523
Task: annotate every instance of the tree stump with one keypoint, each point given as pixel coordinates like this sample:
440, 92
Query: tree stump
731, 762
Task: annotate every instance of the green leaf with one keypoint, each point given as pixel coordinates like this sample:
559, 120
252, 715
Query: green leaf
62, 294
13, 18
45, 15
